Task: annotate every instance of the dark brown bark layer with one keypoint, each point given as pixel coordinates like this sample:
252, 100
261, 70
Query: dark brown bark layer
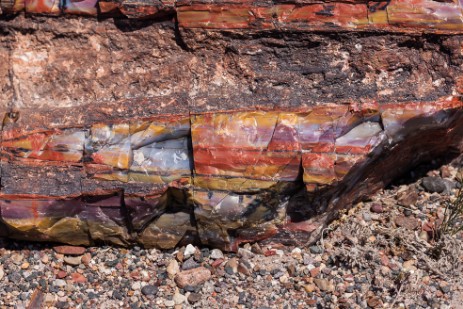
75, 62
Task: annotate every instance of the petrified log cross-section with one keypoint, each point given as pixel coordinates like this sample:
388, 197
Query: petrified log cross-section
217, 122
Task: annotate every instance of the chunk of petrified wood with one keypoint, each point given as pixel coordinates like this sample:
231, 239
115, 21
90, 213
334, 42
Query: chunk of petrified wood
217, 122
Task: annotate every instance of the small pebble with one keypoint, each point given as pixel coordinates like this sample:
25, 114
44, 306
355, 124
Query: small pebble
316, 249
149, 289
216, 254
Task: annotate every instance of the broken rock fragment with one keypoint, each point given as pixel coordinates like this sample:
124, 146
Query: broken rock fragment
192, 277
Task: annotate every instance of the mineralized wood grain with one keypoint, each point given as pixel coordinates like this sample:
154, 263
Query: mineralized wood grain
216, 122
221, 178
394, 15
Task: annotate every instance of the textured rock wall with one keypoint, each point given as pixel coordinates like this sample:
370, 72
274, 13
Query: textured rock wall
163, 123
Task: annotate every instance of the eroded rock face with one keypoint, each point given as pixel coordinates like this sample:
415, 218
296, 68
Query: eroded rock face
217, 122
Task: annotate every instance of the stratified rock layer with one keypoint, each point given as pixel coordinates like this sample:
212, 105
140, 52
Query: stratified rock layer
217, 122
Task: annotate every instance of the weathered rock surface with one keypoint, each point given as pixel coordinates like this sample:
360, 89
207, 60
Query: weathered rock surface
192, 277
217, 122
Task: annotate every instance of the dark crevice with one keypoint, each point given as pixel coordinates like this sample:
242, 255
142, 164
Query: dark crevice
414, 173
7, 17
413, 43
131, 25
299, 208
178, 37
126, 214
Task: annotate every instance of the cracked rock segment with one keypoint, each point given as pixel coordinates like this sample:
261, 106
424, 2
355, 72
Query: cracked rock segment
122, 180
393, 15
243, 174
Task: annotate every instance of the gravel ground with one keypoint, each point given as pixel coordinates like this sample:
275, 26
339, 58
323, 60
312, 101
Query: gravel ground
383, 253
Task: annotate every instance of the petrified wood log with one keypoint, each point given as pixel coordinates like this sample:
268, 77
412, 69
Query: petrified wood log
217, 122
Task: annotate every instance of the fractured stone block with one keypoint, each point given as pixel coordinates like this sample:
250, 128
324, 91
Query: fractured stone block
46, 7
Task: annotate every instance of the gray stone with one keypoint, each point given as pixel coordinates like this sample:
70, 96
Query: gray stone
194, 298
189, 264
149, 290
216, 254
436, 184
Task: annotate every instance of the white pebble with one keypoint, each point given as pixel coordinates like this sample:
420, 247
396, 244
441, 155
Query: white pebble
189, 251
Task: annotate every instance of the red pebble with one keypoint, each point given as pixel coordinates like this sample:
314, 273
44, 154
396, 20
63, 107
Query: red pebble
69, 250
314, 272
78, 278
428, 227
135, 275
61, 274
217, 263
270, 252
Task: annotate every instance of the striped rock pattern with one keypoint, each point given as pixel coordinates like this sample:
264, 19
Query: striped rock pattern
217, 122
328, 15
222, 178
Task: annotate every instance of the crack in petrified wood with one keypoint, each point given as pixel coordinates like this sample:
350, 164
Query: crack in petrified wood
230, 177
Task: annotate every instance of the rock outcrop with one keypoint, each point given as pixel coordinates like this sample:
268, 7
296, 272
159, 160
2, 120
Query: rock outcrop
217, 122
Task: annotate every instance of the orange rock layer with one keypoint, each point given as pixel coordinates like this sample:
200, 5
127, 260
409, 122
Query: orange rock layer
356, 15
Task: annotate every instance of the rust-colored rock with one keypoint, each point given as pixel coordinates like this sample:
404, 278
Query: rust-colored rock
164, 123
69, 250
78, 278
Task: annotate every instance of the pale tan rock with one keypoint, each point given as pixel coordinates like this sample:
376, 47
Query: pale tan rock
324, 285
172, 268
45, 259
232, 264
50, 299
73, 260
179, 298
409, 266
86, 258
192, 277
309, 288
